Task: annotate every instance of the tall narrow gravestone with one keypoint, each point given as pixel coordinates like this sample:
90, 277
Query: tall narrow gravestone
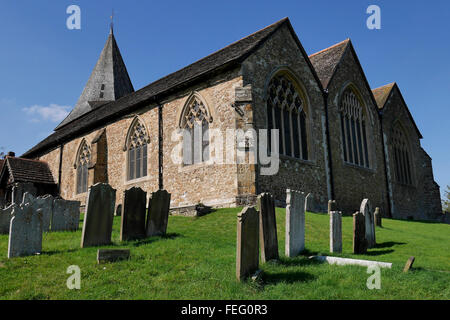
45, 204
66, 215
366, 209
247, 251
25, 232
377, 217
267, 228
5, 218
133, 217
335, 231
310, 203
98, 219
158, 213
359, 234
295, 223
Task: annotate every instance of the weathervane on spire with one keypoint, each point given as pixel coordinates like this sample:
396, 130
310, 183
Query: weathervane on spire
112, 22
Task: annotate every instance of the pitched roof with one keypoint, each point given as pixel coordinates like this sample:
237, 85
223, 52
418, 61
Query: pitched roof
227, 57
109, 81
325, 62
26, 170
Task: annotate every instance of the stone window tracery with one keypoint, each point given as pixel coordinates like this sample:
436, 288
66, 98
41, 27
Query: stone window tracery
82, 167
137, 149
401, 155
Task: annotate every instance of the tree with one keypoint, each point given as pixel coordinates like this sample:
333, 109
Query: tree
446, 202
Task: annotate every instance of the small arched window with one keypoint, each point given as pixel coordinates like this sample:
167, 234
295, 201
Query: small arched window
286, 112
82, 167
401, 155
353, 129
136, 147
195, 125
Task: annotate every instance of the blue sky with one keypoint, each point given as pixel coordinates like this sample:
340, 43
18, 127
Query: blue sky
44, 66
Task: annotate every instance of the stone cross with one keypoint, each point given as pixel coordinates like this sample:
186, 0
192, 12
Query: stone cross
295, 223
98, 219
25, 232
336, 231
366, 209
332, 206
377, 217
66, 215
359, 234
247, 252
268, 227
158, 213
134, 206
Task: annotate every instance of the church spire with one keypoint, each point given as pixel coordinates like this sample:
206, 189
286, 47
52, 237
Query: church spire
111, 27
109, 81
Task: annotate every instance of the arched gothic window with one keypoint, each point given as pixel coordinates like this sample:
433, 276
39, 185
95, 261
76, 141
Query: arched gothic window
353, 129
136, 147
401, 156
195, 124
286, 112
82, 167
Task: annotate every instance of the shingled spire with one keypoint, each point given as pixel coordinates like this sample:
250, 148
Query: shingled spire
109, 81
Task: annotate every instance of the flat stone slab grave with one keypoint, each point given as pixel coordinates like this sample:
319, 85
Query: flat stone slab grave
247, 248
133, 216
98, 220
112, 255
158, 214
295, 223
267, 228
351, 262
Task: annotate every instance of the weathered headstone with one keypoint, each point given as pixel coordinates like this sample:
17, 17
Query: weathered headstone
118, 212
377, 217
25, 232
113, 255
295, 223
247, 253
359, 234
5, 218
45, 204
409, 264
158, 213
66, 215
332, 206
336, 231
19, 189
133, 217
267, 228
366, 209
98, 219
310, 203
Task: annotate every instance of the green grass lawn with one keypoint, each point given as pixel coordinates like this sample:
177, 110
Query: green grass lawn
196, 260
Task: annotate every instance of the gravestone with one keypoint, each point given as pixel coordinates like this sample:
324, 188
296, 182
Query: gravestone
332, 206
66, 215
267, 227
310, 203
19, 190
25, 232
98, 219
359, 234
118, 212
336, 231
295, 223
409, 264
43, 203
133, 217
158, 213
247, 251
377, 217
5, 218
366, 209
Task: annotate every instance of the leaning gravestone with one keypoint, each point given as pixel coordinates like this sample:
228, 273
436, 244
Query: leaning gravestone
247, 253
267, 228
359, 234
98, 220
377, 217
66, 215
25, 232
133, 217
336, 231
295, 223
310, 203
158, 213
5, 218
366, 209
45, 204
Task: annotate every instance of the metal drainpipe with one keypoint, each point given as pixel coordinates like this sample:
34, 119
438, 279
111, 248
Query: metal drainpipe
380, 117
327, 133
61, 150
160, 147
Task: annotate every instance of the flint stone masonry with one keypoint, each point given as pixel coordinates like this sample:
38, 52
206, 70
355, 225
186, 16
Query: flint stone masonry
98, 220
359, 234
295, 223
366, 209
19, 190
133, 215
158, 213
267, 228
335, 232
5, 218
25, 233
247, 253
378, 218
66, 215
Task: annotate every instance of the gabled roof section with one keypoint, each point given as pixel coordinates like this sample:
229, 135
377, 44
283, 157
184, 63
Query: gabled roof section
109, 81
326, 61
25, 170
382, 95
228, 57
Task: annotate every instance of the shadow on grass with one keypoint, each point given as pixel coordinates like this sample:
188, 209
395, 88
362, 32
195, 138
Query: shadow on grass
388, 244
168, 236
54, 252
298, 261
287, 277
379, 253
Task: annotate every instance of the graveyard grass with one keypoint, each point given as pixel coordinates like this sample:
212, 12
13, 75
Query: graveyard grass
196, 260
